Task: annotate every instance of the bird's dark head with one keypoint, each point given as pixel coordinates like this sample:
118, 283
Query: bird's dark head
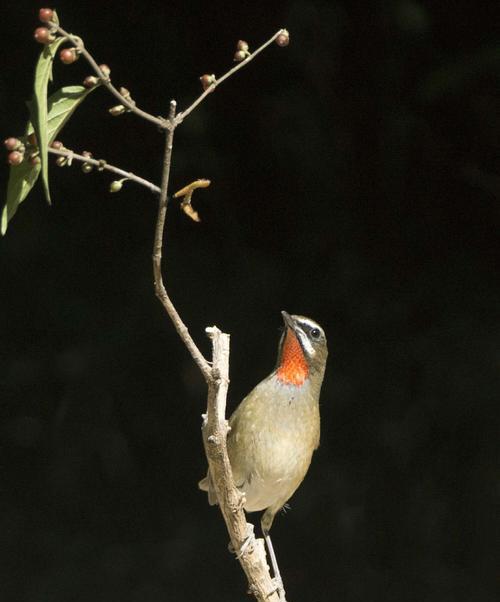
302, 350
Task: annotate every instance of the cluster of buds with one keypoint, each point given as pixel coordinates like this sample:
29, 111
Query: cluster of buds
19, 151
60, 161
15, 149
92, 80
120, 109
242, 51
44, 35
87, 167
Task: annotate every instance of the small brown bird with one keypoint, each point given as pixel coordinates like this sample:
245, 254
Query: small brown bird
276, 428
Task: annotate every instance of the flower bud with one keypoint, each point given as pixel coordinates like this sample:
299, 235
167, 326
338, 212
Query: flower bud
105, 70
117, 110
242, 45
87, 168
57, 144
43, 35
90, 81
207, 80
12, 144
15, 158
283, 38
115, 186
61, 161
45, 15
68, 56
239, 56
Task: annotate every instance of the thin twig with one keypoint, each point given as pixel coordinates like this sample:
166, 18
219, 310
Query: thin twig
160, 290
250, 551
106, 82
182, 115
102, 165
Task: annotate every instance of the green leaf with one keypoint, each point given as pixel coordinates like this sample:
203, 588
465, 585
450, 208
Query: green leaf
22, 178
38, 106
60, 106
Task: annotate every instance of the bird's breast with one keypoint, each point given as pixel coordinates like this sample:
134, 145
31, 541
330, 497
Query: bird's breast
273, 434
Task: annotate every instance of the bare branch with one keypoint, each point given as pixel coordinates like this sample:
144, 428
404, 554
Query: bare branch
106, 82
102, 165
160, 290
250, 551
181, 116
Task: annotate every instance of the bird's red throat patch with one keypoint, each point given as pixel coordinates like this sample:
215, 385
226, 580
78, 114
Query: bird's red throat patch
293, 369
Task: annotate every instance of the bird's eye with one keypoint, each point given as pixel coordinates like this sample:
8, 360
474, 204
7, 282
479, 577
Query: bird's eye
315, 333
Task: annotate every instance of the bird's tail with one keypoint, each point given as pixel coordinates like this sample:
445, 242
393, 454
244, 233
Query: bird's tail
207, 485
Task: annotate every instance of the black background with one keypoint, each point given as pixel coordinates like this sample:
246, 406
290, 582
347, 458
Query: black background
355, 179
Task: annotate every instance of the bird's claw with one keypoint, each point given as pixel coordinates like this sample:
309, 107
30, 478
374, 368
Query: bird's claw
249, 540
278, 588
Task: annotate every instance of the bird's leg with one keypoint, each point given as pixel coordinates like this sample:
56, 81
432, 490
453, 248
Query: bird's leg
265, 523
276, 572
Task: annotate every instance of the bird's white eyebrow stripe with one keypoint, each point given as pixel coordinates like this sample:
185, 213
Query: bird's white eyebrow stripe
309, 324
306, 344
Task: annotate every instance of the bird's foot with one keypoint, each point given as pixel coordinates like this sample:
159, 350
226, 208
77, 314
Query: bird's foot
249, 541
278, 587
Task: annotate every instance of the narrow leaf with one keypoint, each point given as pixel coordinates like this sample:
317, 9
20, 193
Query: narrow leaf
60, 106
38, 106
22, 178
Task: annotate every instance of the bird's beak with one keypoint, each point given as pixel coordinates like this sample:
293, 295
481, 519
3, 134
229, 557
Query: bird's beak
288, 320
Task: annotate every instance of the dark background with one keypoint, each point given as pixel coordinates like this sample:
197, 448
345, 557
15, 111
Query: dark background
356, 180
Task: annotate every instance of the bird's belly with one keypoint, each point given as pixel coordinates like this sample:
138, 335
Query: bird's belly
277, 471
271, 444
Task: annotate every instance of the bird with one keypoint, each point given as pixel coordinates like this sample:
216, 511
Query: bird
276, 428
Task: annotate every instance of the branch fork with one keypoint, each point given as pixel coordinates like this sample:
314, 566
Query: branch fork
250, 551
